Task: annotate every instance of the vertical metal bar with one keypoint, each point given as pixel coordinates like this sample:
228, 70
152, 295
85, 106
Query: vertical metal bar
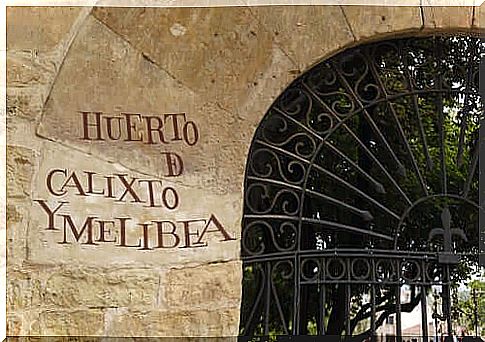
441, 129
373, 310
435, 315
304, 307
268, 297
475, 311
323, 275
348, 297
322, 290
446, 297
447, 302
373, 299
347, 310
398, 314
441, 119
296, 298
424, 314
481, 167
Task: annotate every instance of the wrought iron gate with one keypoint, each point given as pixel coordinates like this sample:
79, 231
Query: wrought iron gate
361, 191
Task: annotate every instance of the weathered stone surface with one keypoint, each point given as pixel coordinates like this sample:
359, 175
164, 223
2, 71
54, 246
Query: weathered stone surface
209, 285
306, 33
20, 289
24, 323
227, 49
23, 103
21, 131
13, 215
101, 288
46, 245
133, 84
14, 325
38, 28
72, 323
20, 163
222, 322
18, 218
448, 17
101, 60
479, 16
26, 69
367, 21
35, 338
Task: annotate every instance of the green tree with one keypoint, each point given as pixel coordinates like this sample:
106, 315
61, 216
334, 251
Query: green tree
470, 307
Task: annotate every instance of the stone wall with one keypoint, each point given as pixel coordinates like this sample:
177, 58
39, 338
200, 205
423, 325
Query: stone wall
173, 269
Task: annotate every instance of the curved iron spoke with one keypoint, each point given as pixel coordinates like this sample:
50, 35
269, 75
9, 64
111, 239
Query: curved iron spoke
335, 225
429, 161
353, 188
372, 123
302, 126
471, 172
364, 214
399, 127
282, 151
466, 108
366, 151
441, 119
275, 182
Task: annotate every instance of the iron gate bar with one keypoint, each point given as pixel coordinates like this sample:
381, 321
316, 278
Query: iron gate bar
350, 253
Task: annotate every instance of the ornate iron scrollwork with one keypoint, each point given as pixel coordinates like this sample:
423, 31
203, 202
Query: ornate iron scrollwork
362, 181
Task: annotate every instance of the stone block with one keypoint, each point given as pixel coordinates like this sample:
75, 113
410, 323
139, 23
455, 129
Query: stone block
209, 285
14, 325
22, 103
479, 16
29, 69
20, 162
97, 288
88, 322
216, 52
306, 34
99, 59
448, 17
196, 323
38, 28
18, 217
20, 289
197, 208
367, 21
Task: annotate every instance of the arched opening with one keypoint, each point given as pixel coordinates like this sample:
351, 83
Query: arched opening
361, 192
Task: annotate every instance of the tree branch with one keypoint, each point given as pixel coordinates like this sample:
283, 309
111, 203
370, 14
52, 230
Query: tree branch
362, 314
390, 309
